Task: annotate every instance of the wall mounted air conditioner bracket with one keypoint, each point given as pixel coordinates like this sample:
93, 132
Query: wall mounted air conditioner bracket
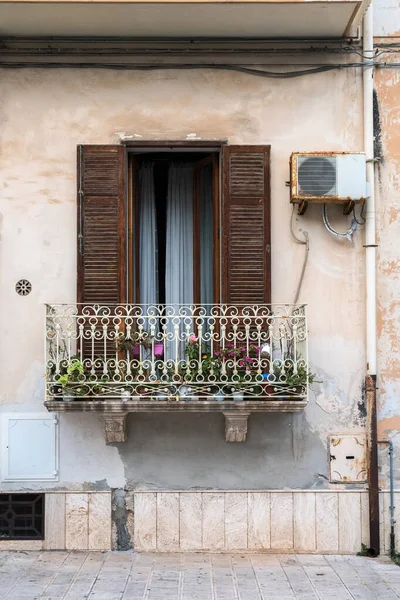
349, 207
302, 207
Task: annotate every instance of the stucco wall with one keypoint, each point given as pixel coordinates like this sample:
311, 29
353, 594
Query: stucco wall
387, 83
43, 116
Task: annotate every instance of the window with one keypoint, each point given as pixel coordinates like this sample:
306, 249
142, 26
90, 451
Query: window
22, 516
114, 244
175, 221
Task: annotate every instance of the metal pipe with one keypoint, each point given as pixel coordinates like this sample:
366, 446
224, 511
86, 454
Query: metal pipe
348, 235
370, 220
391, 488
391, 483
372, 467
370, 275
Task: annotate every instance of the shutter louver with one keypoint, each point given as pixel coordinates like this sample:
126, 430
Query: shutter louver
246, 269
101, 225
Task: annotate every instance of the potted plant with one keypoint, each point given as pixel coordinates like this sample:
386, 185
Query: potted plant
69, 380
237, 393
295, 382
134, 341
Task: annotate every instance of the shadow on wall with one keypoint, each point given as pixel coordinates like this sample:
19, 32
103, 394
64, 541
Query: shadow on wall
178, 451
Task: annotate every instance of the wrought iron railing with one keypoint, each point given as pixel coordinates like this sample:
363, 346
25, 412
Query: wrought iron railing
176, 352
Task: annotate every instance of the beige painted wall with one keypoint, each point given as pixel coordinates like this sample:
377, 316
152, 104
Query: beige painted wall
387, 83
45, 114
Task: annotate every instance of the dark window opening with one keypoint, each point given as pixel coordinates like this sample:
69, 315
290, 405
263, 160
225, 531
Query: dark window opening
22, 516
176, 225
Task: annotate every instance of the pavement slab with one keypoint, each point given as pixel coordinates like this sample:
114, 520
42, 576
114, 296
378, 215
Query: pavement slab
53, 575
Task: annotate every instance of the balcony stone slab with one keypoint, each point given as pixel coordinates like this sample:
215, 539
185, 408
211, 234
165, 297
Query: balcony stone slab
115, 412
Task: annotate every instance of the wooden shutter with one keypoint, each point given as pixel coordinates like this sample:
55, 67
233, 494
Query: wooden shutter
101, 225
246, 268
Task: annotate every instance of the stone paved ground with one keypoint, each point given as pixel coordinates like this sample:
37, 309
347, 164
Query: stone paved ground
120, 576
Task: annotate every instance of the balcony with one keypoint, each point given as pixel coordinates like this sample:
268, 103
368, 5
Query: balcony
160, 358
245, 19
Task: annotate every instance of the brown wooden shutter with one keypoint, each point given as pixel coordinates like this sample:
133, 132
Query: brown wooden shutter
246, 268
101, 225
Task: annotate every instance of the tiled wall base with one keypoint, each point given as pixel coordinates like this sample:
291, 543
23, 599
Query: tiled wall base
309, 522
287, 521
73, 521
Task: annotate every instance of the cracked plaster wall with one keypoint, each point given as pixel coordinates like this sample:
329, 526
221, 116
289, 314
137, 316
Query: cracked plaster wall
387, 84
43, 116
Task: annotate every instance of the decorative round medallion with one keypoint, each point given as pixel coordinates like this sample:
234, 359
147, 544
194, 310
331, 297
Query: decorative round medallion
23, 287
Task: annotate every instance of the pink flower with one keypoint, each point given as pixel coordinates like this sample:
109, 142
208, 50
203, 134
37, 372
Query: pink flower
193, 338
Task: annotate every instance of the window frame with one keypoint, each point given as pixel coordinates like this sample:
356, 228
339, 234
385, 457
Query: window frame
132, 268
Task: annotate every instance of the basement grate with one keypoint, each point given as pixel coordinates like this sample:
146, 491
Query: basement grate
22, 516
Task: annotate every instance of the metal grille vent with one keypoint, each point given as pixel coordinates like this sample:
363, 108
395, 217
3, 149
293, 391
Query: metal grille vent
316, 175
23, 287
22, 516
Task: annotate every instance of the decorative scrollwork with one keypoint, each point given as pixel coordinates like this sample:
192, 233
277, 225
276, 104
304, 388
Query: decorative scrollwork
258, 352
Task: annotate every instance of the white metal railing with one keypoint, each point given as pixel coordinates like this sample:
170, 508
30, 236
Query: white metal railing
166, 352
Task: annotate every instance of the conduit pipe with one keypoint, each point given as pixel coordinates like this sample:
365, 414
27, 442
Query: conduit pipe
370, 270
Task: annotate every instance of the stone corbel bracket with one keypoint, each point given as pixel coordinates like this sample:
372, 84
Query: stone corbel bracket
236, 426
115, 426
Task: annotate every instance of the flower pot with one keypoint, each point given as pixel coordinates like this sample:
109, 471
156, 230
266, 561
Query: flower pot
218, 397
68, 399
125, 395
185, 393
158, 349
57, 391
136, 350
237, 396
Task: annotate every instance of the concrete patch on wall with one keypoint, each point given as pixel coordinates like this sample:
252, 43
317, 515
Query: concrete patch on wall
160, 453
122, 519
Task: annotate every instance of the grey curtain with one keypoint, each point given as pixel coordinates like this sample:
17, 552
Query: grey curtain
206, 235
179, 241
148, 236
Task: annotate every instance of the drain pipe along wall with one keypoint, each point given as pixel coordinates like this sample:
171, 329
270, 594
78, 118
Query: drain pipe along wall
371, 305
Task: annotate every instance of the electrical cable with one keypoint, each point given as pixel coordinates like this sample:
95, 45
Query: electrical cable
347, 234
305, 243
355, 216
362, 211
191, 66
183, 66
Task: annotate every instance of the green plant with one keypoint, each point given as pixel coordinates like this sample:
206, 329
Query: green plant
196, 358
127, 343
301, 377
72, 375
395, 556
291, 377
363, 551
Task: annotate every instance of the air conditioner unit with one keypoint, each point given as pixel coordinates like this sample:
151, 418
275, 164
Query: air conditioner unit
327, 178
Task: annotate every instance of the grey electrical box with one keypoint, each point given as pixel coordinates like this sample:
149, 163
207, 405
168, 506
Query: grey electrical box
347, 462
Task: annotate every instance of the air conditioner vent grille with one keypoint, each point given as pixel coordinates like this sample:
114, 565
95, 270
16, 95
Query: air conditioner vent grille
316, 175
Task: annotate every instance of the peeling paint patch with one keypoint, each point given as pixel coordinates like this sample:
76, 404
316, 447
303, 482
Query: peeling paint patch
387, 425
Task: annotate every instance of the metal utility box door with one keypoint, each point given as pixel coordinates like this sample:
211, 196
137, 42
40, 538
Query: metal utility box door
347, 463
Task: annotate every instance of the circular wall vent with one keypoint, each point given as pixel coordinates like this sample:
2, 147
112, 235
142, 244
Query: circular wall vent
23, 287
317, 176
